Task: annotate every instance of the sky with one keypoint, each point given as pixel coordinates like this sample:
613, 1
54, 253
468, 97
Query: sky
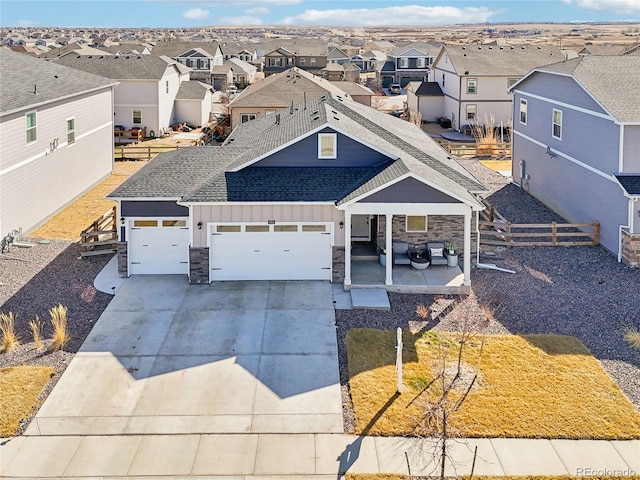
354, 13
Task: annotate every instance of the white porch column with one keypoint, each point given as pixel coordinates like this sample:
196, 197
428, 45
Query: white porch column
347, 250
388, 238
467, 249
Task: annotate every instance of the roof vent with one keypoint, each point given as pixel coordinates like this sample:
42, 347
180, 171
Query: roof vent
522, 47
539, 47
315, 112
490, 48
277, 119
501, 48
335, 117
334, 112
464, 48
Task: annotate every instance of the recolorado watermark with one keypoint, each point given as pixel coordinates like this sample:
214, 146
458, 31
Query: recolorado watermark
595, 472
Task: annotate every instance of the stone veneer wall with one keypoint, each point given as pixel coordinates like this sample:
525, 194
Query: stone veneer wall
122, 259
198, 264
631, 249
338, 265
440, 228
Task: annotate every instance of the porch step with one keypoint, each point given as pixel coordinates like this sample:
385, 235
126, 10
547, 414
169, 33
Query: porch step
365, 257
370, 299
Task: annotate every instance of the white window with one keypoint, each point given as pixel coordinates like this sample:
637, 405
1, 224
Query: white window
269, 111
303, 61
312, 61
472, 110
472, 86
31, 127
245, 117
290, 61
71, 131
557, 124
327, 145
511, 82
421, 62
523, 111
404, 63
415, 223
167, 86
137, 117
443, 80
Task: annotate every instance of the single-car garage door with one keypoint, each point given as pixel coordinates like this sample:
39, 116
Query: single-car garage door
158, 246
286, 251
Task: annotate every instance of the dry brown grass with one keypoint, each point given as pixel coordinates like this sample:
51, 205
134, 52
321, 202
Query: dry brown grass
20, 387
36, 332
59, 321
9, 339
534, 386
68, 223
422, 311
632, 337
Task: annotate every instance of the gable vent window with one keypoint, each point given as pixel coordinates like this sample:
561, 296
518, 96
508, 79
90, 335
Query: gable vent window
327, 146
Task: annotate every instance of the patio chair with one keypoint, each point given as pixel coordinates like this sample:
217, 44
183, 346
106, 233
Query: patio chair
401, 253
435, 250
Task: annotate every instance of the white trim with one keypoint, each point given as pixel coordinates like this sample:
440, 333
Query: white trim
526, 111
621, 150
144, 199
553, 123
184, 204
567, 105
568, 157
44, 153
139, 109
75, 138
35, 127
334, 154
426, 224
409, 209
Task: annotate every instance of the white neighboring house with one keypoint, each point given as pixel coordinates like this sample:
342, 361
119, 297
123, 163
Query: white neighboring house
475, 79
56, 134
145, 97
193, 103
243, 73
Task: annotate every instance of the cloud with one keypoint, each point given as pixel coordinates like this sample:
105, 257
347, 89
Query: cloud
27, 23
196, 14
400, 15
257, 11
242, 20
623, 7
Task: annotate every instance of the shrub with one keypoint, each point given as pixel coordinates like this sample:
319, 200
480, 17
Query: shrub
59, 322
422, 311
36, 331
632, 337
7, 328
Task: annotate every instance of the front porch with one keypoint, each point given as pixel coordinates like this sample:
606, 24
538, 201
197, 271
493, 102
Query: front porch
368, 273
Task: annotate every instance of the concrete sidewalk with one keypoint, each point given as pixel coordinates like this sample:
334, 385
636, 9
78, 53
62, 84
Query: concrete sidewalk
304, 455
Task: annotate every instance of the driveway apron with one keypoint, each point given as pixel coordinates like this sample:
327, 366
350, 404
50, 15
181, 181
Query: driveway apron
167, 357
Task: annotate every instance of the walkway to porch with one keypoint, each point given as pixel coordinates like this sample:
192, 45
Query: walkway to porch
436, 280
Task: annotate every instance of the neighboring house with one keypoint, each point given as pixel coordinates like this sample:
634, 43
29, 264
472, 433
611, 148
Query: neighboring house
193, 103
243, 73
609, 49
475, 79
200, 62
411, 63
334, 72
281, 91
222, 76
426, 98
145, 97
286, 195
312, 58
338, 56
358, 93
56, 129
383, 46
576, 142
246, 54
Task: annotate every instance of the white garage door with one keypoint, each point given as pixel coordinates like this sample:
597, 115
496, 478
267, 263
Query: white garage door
300, 251
158, 246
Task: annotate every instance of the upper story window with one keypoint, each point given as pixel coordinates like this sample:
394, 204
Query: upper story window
71, 131
404, 63
245, 117
472, 110
31, 127
137, 117
166, 86
312, 61
472, 86
557, 124
523, 111
327, 145
443, 79
421, 62
290, 61
303, 61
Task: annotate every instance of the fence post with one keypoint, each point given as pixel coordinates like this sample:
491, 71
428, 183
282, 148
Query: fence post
596, 233
399, 347
554, 233
510, 239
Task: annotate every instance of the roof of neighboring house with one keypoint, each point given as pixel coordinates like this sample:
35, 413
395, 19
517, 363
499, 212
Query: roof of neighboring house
173, 48
242, 65
428, 48
193, 90
195, 52
498, 61
618, 91
281, 89
170, 61
228, 173
335, 52
630, 183
119, 67
28, 81
223, 69
425, 89
604, 49
388, 66
353, 89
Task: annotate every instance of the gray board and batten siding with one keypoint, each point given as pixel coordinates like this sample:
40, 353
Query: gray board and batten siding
153, 208
409, 190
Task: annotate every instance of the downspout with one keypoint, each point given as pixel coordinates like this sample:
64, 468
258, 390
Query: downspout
478, 236
627, 226
459, 103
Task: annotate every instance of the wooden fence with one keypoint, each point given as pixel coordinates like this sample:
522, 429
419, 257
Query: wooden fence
500, 149
141, 152
101, 237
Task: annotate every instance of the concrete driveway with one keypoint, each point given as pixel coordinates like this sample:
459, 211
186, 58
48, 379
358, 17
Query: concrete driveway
167, 357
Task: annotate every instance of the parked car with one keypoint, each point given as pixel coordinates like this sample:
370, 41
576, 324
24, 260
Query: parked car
395, 89
232, 89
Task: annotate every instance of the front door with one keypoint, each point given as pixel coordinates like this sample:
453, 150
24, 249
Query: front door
360, 228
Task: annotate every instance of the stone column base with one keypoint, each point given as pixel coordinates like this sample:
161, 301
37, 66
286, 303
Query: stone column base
198, 264
631, 249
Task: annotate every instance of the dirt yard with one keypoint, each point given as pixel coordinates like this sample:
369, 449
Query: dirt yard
68, 223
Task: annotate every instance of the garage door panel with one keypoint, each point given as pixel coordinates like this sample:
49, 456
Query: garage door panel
270, 256
158, 250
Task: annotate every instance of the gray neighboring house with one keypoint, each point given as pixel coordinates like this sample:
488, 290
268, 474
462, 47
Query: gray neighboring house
576, 144
56, 137
286, 195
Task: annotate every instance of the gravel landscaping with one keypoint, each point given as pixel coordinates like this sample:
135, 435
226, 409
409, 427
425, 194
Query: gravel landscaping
32, 280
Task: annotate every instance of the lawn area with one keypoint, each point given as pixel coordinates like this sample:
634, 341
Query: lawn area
531, 386
20, 387
68, 223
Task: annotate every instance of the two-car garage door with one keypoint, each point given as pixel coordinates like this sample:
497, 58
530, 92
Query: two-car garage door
284, 251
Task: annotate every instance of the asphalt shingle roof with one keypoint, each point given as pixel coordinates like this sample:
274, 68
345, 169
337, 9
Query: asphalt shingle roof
22, 75
630, 183
121, 67
192, 90
494, 61
428, 89
611, 80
